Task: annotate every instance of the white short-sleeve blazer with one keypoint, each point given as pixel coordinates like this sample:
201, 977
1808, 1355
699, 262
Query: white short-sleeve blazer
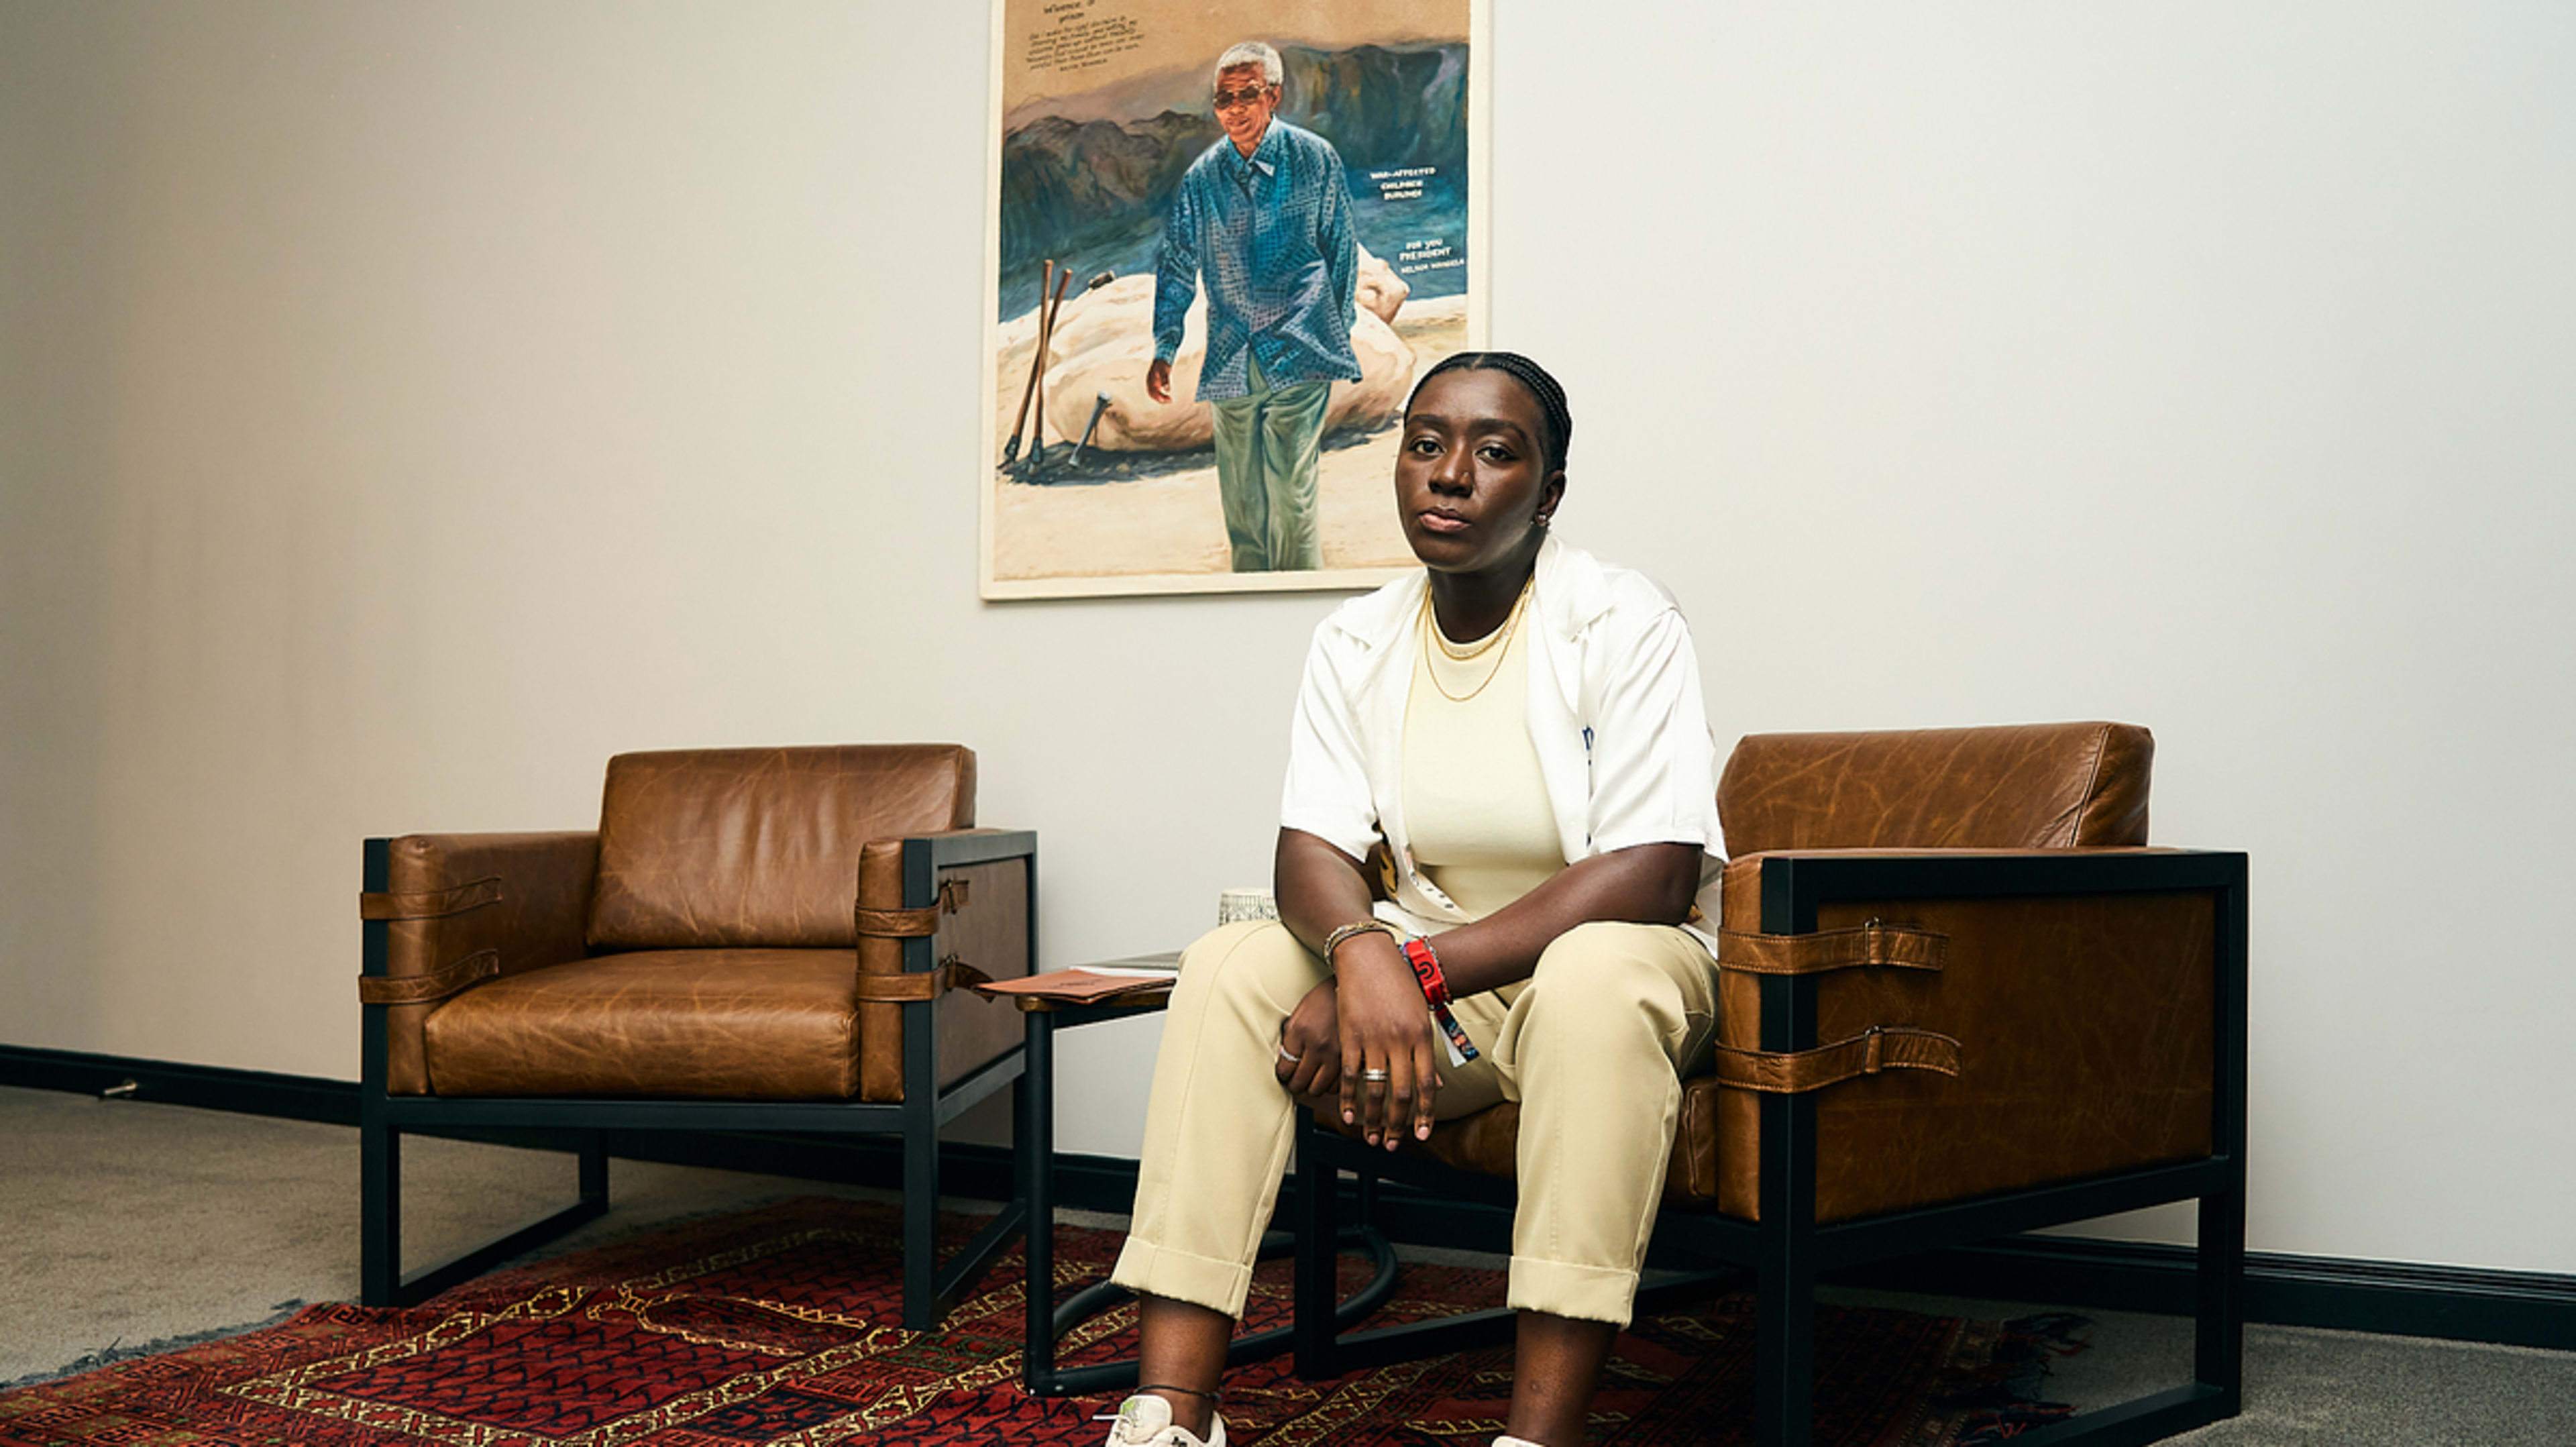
1614, 710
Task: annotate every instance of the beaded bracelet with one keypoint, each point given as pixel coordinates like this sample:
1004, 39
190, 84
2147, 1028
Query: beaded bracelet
1348, 932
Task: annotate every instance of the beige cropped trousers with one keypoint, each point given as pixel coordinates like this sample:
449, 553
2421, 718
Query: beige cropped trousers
1593, 1046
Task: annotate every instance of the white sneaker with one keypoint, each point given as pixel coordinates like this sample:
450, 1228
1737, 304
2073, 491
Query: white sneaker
1147, 1422
1508, 1440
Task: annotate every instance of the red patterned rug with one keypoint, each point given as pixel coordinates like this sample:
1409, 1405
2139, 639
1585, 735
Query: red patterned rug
774, 1326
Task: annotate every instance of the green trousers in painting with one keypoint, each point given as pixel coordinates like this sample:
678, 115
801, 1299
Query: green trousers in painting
1268, 445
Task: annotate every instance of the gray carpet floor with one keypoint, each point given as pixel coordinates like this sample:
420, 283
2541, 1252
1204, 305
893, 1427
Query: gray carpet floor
126, 1226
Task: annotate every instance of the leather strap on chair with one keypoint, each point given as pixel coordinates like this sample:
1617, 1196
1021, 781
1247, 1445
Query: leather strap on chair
916, 986
910, 924
1880, 1047
899, 924
455, 979
433, 903
1870, 946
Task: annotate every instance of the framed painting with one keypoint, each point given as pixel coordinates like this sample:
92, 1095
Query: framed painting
1224, 239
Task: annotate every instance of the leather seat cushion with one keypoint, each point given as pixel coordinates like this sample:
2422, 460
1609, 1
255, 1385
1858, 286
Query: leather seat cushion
707, 1024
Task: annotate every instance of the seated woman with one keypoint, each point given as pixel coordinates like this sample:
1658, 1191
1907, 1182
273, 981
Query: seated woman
1519, 729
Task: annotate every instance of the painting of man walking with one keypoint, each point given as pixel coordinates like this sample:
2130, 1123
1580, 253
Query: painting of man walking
1226, 238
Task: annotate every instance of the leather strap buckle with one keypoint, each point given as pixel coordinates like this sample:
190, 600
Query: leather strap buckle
914, 987
913, 924
1874, 1051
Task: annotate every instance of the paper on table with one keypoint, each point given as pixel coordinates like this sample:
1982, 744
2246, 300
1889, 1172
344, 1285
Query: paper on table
1080, 986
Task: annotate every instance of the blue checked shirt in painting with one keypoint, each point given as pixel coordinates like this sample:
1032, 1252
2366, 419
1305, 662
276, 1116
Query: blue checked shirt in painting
1272, 235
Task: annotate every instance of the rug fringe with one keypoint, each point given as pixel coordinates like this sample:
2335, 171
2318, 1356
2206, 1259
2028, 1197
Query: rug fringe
116, 1351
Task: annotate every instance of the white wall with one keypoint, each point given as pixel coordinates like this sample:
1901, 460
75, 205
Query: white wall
404, 407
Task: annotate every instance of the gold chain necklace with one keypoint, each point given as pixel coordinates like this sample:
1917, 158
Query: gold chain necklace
1499, 639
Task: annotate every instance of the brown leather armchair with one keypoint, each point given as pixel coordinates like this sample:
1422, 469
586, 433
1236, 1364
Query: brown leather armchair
1958, 999
751, 940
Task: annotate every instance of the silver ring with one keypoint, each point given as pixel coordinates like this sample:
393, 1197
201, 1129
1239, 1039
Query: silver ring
1379, 1077
1291, 1059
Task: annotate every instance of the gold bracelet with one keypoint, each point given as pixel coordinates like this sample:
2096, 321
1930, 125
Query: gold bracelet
1343, 936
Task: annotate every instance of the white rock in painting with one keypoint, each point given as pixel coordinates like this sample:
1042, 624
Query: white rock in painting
1104, 341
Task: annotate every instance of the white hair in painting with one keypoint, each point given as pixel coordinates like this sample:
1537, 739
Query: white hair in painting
1253, 52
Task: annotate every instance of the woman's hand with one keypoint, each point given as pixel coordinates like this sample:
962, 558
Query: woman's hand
1378, 1020
1313, 1034
1384, 1026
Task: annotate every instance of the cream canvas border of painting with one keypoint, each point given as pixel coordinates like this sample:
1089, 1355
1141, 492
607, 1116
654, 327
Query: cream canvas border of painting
1480, 230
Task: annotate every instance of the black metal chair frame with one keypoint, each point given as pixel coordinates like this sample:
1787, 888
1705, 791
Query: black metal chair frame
1786, 1251
930, 1288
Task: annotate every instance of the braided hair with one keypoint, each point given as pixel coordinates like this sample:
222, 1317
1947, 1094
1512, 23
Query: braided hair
1534, 379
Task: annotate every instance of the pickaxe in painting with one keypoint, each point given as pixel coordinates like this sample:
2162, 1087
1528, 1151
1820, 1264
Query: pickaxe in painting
1099, 404
1011, 449
1036, 388
1046, 344
1046, 353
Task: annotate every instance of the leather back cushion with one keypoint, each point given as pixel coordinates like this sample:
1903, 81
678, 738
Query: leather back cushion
759, 848
2026, 786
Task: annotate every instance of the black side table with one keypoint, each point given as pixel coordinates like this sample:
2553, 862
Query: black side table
1033, 1164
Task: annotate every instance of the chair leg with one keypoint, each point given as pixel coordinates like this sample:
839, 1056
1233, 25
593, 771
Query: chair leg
921, 1220
379, 1214
594, 1169
2218, 1357
1784, 1352
1316, 1231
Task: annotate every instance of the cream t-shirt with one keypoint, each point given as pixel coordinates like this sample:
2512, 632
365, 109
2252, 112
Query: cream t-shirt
1475, 801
